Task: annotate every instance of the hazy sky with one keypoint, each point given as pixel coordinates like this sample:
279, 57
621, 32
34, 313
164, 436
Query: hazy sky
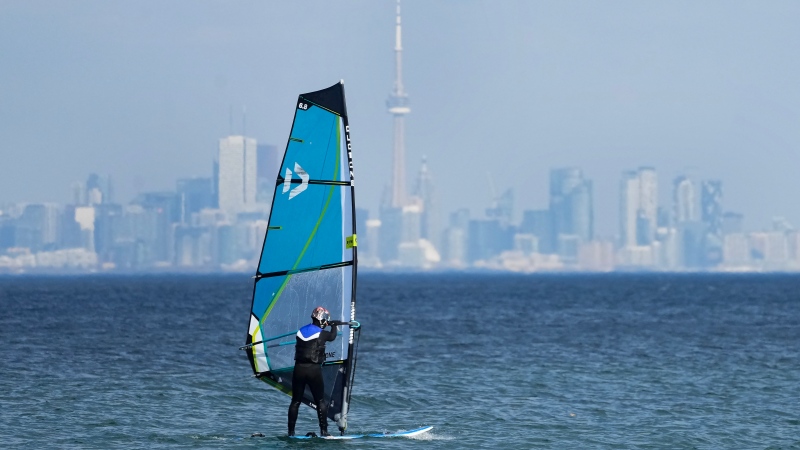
142, 90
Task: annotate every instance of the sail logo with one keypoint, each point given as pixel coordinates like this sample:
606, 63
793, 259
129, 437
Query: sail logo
349, 152
287, 181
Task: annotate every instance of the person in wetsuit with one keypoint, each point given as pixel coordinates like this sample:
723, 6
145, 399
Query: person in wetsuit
309, 356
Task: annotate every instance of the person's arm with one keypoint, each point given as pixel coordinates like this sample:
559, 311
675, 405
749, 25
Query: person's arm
328, 336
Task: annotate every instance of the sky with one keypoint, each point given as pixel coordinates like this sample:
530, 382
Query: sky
500, 92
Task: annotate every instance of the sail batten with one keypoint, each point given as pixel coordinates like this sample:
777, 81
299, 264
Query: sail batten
306, 269
309, 255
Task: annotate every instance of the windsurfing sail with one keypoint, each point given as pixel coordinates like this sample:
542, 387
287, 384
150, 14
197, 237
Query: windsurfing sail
309, 254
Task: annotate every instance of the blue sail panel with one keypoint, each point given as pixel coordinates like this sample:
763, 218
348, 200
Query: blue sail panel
307, 231
314, 144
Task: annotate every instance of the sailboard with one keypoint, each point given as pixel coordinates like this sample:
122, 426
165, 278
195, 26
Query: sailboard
309, 255
408, 433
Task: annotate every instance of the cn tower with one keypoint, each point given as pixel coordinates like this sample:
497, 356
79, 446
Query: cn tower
398, 107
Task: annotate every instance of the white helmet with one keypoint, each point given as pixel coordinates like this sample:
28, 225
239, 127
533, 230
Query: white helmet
321, 315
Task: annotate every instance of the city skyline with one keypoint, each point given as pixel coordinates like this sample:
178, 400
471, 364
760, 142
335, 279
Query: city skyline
669, 88
687, 207
190, 228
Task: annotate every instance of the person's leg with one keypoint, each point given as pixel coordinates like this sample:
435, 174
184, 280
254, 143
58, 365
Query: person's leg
317, 386
298, 386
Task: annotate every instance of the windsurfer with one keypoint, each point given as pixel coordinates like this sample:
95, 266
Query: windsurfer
309, 356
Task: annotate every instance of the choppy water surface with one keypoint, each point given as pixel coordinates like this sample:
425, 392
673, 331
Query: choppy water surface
491, 361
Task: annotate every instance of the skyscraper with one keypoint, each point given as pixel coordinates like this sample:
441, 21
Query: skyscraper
711, 208
628, 208
648, 203
684, 198
638, 207
502, 207
362, 216
194, 194
571, 204
159, 211
107, 224
98, 190
711, 202
391, 233
540, 224
429, 221
398, 107
237, 174
41, 220
487, 238
455, 238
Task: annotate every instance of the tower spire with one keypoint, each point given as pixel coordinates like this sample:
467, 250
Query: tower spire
398, 55
398, 107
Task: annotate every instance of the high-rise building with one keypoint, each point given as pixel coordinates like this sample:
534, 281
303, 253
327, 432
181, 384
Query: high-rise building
215, 182
38, 226
194, 194
571, 205
455, 239
362, 216
711, 201
638, 207
107, 224
226, 250
648, 201
629, 208
485, 239
84, 216
160, 210
78, 193
690, 237
502, 207
711, 207
412, 216
237, 174
429, 221
539, 223
684, 199
98, 190
391, 233
370, 235
69, 230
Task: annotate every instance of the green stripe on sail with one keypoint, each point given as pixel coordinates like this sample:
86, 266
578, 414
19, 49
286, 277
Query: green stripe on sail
278, 386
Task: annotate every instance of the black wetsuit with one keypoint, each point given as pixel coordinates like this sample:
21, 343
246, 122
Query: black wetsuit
309, 356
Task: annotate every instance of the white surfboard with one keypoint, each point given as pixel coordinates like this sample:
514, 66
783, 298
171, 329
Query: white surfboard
406, 433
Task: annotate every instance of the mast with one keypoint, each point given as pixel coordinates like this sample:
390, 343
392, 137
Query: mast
351, 356
398, 107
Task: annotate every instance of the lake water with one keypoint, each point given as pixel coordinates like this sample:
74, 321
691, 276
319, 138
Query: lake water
491, 361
